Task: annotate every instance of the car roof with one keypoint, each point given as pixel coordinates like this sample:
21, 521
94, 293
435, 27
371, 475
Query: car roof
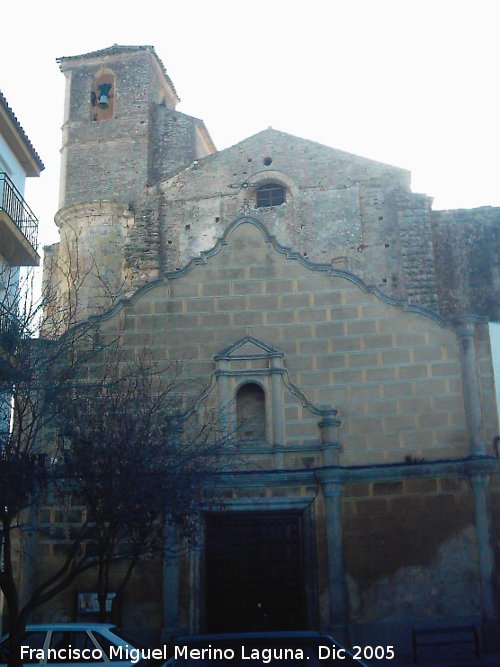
70, 626
279, 634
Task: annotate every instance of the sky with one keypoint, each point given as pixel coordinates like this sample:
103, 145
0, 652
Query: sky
413, 84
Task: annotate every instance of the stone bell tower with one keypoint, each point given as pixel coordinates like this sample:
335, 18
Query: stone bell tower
121, 133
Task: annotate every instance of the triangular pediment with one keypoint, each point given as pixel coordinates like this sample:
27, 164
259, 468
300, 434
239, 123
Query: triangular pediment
248, 347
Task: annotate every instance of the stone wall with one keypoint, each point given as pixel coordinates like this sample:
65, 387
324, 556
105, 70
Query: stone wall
319, 339
107, 159
495, 514
86, 268
395, 376
145, 139
410, 550
467, 261
340, 210
173, 143
321, 217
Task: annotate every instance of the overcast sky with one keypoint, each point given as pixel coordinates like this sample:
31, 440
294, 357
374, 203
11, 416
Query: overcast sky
414, 84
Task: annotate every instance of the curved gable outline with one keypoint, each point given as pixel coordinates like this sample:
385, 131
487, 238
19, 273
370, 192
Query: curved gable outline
203, 258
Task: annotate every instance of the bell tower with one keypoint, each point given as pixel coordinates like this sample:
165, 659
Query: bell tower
121, 133
111, 96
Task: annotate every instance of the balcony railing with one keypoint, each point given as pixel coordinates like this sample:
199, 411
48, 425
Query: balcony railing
12, 202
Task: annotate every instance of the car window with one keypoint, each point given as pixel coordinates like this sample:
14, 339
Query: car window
106, 645
65, 642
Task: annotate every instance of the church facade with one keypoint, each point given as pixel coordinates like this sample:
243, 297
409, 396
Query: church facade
342, 316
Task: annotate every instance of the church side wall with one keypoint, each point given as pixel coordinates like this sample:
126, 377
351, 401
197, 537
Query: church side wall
173, 144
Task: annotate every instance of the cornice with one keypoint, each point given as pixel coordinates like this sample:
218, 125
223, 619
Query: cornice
203, 258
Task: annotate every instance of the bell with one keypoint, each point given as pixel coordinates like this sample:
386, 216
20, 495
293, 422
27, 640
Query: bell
103, 95
103, 102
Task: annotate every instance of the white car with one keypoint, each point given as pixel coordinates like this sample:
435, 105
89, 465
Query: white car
76, 644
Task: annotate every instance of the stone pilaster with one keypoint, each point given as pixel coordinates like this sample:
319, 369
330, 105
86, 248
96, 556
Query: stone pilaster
466, 328
196, 588
328, 427
332, 491
170, 625
223, 391
277, 410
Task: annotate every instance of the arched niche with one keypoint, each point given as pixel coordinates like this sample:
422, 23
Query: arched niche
103, 95
251, 412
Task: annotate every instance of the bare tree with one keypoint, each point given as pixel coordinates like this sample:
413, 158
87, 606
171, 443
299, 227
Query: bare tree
137, 457
123, 441
35, 372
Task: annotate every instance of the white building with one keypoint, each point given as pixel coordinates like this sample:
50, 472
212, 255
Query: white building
18, 227
18, 160
18, 224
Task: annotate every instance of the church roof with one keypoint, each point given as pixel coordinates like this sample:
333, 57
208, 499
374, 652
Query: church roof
303, 160
121, 48
270, 133
16, 137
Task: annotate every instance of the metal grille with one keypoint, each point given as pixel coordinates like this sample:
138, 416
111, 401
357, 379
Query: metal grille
12, 202
271, 194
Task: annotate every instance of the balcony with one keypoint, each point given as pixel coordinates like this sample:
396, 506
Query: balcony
18, 227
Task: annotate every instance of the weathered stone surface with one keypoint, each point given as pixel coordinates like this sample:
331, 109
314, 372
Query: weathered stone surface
143, 141
467, 260
428, 591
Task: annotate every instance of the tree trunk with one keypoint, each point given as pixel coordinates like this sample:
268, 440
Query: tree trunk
102, 588
17, 624
15, 642
116, 609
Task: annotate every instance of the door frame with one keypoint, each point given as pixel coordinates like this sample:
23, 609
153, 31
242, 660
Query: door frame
303, 506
